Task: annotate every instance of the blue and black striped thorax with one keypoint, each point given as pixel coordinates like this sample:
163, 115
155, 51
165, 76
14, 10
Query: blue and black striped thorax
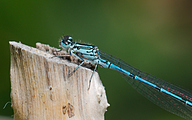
85, 51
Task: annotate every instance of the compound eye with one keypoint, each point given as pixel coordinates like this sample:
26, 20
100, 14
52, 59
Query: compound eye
64, 41
67, 40
70, 38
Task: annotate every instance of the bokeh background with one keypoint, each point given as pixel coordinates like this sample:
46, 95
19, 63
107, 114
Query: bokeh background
153, 36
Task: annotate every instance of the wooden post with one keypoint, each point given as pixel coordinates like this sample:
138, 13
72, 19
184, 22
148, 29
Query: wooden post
41, 88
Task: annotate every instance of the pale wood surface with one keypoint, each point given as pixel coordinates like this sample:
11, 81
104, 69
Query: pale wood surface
42, 90
5, 118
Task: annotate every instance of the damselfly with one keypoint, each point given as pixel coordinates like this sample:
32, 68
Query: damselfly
162, 93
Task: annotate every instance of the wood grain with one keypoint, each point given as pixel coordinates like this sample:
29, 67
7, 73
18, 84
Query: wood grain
41, 88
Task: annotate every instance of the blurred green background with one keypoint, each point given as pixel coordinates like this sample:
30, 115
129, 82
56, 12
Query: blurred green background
153, 36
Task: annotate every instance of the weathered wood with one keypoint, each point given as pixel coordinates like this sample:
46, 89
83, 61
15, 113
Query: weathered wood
5, 118
41, 88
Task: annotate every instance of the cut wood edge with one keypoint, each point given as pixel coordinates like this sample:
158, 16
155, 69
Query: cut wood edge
42, 89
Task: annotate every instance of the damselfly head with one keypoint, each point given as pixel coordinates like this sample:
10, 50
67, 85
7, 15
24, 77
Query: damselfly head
66, 42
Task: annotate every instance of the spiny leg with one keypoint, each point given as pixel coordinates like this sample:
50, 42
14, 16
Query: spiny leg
77, 67
92, 75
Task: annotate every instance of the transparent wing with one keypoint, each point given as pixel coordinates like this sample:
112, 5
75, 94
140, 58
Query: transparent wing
163, 100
